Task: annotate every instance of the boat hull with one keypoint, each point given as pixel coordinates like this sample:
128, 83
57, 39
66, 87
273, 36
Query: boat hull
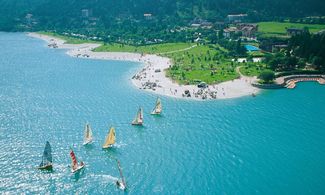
137, 124
79, 168
87, 143
109, 146
120, 185
46, 167
155, 113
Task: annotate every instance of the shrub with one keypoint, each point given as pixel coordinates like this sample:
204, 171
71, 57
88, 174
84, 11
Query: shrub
267, 76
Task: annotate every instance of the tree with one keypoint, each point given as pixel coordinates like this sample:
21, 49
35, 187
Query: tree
249, 58
267, 76
220, 34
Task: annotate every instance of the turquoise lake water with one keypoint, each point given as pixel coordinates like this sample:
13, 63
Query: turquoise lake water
271, 144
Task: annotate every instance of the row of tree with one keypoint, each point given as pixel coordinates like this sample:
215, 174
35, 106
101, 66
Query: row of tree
303, 50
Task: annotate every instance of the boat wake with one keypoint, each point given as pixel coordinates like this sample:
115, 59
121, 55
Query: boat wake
119, 145
106, 178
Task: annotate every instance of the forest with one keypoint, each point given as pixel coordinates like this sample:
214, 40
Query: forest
127, 16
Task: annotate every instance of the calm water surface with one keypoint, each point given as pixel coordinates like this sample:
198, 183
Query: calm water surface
271, 144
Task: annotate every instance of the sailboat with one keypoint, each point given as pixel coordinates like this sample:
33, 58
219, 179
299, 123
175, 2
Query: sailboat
88, 137
158, 108
110, 139
138, 120
120, 183
46, 163
74, 166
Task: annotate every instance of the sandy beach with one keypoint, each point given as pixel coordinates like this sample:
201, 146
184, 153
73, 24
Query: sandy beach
151, 77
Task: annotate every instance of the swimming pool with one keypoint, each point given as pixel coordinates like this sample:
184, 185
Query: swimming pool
251, 48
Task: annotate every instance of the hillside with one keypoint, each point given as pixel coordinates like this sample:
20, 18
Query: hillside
62, 14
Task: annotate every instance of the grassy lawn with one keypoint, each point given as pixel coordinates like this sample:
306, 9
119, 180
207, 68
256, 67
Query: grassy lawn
68, 39
257, 53
279, 28
252, 69
206, 63
153, 49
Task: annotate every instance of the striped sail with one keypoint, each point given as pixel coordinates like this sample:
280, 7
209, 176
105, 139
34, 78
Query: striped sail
74, 160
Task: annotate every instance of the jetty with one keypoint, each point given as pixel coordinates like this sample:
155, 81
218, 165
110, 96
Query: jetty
290, 82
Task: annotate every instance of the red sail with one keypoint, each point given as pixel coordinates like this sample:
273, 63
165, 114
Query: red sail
73, 158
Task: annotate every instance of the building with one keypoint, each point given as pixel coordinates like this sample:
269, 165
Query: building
237, 18
199, 23
276, 48
294, 31
247, 30
230, 32
206, 25
219, 25
147, 16
85, 13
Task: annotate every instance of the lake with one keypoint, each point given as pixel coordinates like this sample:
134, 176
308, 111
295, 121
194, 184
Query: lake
271, 144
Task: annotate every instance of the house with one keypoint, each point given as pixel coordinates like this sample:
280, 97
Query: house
199, 40
236, 18
276, 48
206, 25
147, 16
219, 25
85, 13
29, 18
321, 32
294, 31
230, 32
195, 25
248, 30
199, 23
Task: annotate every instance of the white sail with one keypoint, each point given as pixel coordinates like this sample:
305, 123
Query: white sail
138, 120
158, 107
88, 135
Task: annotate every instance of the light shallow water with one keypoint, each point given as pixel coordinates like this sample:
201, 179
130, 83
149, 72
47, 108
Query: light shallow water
271, 144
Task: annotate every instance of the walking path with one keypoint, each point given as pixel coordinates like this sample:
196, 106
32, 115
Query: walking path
175, 51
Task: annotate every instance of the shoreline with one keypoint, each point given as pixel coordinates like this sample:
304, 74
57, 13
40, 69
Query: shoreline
151, 77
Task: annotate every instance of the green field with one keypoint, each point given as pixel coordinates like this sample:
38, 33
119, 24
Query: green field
279, 28
153, 49
252, 69
206, 63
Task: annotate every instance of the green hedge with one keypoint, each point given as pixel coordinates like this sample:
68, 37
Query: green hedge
281, 74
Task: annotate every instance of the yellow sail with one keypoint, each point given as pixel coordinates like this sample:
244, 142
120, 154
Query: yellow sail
110, 139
